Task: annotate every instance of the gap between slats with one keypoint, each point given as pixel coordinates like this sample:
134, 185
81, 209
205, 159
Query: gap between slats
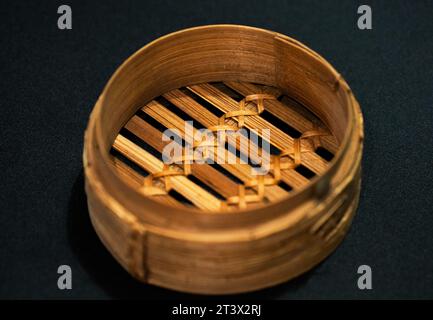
223, 102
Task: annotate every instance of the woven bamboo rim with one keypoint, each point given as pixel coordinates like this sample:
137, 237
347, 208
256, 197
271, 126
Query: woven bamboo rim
224, 251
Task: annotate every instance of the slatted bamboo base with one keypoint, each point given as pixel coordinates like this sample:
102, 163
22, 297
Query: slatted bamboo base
217, 227
214, 186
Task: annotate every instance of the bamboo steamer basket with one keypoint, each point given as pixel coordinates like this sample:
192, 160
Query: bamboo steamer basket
217, 229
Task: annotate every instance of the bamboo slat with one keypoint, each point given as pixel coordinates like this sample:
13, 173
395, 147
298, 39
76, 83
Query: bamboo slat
242, 171
136, 181
197, 111
206, 173
181, 184
278, 137
288, 115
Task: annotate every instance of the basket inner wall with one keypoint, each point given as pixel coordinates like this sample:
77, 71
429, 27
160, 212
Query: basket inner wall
223, 53
245, 58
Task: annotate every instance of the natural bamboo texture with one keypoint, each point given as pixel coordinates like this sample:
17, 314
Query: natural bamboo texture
220, 228
221, 184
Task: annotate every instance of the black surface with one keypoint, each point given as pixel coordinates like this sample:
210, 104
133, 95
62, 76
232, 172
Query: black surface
50, 80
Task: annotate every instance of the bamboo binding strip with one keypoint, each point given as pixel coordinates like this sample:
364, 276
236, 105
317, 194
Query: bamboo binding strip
218, 228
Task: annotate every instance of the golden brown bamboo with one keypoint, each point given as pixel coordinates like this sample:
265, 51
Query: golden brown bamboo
205, 172
242, 171
136, 181
278, 137
197, 111
208, 249
181, 184
289, 115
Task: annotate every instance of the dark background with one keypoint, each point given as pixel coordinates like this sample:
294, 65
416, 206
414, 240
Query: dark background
51, 78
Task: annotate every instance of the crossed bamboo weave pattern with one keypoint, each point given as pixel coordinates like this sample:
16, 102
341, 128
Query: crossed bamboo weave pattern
294, 160
294, 156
